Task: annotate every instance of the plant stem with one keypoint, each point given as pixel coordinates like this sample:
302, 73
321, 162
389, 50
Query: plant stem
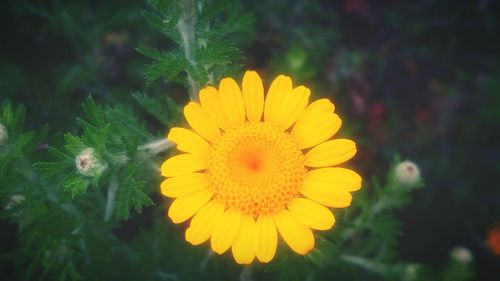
363, 263
204, 261
186, 27
156, 146
110, 203
246, 273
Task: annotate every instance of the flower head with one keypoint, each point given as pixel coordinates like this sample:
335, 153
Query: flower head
407, 172
15, 200
255, 167
461, 254
88, 164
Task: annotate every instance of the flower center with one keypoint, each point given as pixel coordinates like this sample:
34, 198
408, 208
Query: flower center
256, 168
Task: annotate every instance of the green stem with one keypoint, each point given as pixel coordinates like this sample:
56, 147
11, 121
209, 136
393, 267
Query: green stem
246, 273
364, 263
186, 28
110, 203
205, 260
156, 146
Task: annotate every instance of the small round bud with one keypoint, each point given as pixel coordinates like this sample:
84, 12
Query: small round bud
87, 163
4, 134
14, 201
410, 272
461, 254
407, 172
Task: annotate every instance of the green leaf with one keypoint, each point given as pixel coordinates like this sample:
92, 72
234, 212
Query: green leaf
131, 195
167, 112
51, 169
217, 51
150, 52
163, 17
212, 9
199, 74
166, 65
95, 136
124, 123
12, 117
75, 184
73, 144
94, 112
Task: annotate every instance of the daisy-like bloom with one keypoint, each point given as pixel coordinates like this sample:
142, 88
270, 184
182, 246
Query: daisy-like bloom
255, 167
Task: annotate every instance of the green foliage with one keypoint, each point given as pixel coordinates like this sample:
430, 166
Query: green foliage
80, 199
203, 39
164, 110
457, 271
110, 137
30, 202
69, 204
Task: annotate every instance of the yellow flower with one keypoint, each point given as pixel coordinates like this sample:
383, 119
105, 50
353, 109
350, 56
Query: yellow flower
253, 168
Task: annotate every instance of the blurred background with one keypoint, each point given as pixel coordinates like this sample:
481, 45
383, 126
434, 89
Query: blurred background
416, 78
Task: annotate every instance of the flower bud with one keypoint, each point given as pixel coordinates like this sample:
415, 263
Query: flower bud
407, 173
14, 201
461, 254
4, 134
87, 163
410, 272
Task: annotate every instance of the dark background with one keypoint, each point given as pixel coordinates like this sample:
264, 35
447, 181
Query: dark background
415, 78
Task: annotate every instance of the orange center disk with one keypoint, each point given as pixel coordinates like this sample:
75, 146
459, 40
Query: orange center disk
256, 168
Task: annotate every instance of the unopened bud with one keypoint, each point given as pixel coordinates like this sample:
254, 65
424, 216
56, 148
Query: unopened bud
4, 134
87, 163
14, 201
410, 272
407, 172
461, 254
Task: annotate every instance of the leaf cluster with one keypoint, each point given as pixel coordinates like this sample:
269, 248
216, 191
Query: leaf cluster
203, 34
113, 134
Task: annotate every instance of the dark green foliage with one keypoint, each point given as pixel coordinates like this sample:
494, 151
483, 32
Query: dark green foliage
165, 110
108, 222
112, 135
166, 65
68, 214
204, 41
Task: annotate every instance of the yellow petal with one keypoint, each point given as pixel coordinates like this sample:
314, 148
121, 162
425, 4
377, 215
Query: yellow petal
330, 153
200, 122
232, 101
184, 185
325, 193
266, 238
294, 106
203, 223
316, 124
281, 87
243, 247
296, 235
337, 178
225, 231
183, 164
291, 106
211, 104
189, 141
311, 214
185, 207
253, 95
